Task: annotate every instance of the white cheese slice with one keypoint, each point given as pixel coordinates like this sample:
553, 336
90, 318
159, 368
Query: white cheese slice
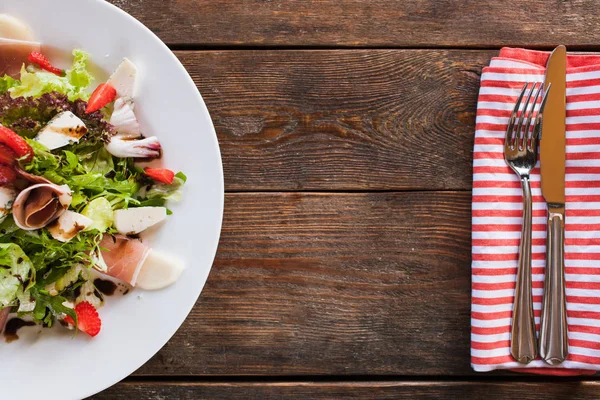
13, 28
135, 220
65, 128
26, 302
123, 79
159, 271
7, 197
68, 225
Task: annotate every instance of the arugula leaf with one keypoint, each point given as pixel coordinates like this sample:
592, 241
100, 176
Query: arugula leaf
52, 276
78, 199
99, 161
98, 183
154, 202
71, 161
125, 168
48, 254
54, 304
54, 177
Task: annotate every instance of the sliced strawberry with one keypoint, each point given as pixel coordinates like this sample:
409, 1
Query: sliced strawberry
7, 175
16, 143
103, 95
41, 60
162, 175
88, 319
7, 156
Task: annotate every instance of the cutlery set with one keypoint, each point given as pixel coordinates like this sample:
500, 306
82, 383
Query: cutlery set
526, 129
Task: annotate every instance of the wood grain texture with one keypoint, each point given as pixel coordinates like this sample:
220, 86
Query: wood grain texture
342, 120
355, 390
388, 23
332, 284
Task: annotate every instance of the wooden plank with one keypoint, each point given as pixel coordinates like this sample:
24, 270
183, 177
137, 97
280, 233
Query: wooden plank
342, 120
388, 23
332, 284
522, 390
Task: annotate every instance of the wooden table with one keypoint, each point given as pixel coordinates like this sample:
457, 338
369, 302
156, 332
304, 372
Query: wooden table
346, 130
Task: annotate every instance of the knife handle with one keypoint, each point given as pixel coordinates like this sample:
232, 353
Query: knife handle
554, 345
523, 342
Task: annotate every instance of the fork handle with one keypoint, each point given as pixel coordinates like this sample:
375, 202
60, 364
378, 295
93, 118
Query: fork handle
523, 343
554, 345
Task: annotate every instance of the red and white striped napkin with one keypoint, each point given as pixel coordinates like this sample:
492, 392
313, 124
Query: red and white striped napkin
497, 211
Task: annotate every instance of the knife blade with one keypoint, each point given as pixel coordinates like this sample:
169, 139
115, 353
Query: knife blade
553, 332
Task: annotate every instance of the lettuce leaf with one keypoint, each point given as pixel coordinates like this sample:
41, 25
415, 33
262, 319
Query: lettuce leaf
43, 159
78, 75
74, 84
16, 271
7, 82
167, 192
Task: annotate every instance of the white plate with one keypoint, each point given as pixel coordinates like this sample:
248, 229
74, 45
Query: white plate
52, 365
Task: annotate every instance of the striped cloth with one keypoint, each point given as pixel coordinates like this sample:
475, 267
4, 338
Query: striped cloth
497, 211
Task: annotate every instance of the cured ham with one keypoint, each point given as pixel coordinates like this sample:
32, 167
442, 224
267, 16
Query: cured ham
16, 43
38, 205
4, 317
124, 257
31, 178
13, 53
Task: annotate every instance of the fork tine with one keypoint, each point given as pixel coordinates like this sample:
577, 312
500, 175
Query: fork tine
537, 131
519, 134
508, 140
528, 144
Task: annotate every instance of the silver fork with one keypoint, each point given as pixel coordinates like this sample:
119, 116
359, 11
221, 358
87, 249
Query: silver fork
520, 153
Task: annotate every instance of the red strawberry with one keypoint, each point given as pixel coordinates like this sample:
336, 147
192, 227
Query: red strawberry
162, 175
88, 320
103, 95
42, 61
16, 143
7, 156
7, 175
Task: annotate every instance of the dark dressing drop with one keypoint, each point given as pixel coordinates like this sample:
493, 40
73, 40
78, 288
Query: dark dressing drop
12, 326
105, 287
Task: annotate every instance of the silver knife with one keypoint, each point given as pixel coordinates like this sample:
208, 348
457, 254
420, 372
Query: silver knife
554, 346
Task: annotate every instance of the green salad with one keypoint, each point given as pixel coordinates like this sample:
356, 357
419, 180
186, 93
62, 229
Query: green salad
73, 193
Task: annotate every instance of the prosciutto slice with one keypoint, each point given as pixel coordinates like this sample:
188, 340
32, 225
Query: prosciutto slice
4, 317
13, 53
124, 257
40, 204
31, 178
